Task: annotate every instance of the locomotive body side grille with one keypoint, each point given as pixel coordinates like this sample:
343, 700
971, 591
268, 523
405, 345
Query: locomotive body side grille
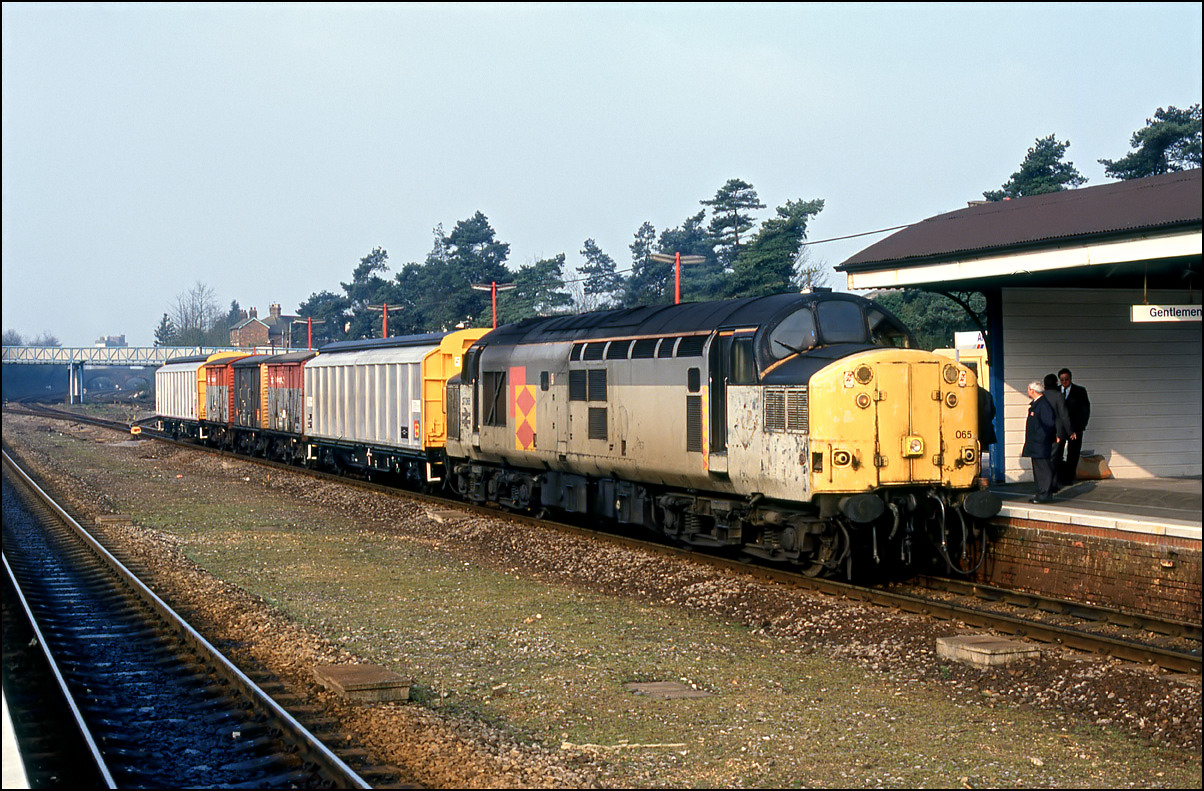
694, 423
786, 409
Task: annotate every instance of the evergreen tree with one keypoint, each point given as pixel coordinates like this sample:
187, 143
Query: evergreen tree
767, 265
331, 314
603, 286
165, 333
439, 292
699, 282
366, 288
731, 210
933, 318
1169, 142
1041, 171
539, 291
650, 282
233, 316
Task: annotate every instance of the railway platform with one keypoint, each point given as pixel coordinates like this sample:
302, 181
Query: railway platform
1131, 543
14, 766
1149, 507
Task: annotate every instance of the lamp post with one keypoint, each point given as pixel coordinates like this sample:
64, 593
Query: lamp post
494, 287
384, 309
309, 333
677, 259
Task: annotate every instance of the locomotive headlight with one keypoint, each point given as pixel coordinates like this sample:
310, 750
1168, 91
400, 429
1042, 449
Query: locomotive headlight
951, 399
913, 446
863, 400
950, 373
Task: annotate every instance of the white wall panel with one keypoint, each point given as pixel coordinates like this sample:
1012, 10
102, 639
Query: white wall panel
1143, 379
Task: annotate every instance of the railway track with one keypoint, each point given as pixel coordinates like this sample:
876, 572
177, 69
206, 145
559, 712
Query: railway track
115, 690
1132, 637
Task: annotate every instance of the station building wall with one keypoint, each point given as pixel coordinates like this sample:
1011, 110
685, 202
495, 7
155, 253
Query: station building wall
1143, 379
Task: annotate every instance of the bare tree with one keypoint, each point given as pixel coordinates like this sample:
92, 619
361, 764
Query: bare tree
45, 338
196, 314
809, 273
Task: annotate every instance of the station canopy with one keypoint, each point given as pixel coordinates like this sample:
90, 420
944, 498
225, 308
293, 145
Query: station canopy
1128, 234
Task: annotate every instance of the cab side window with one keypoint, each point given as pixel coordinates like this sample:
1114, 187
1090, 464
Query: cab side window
743, 370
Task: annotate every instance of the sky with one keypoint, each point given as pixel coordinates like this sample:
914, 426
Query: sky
262, 150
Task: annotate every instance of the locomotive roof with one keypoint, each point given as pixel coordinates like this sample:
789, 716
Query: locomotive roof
686, 318
429, 339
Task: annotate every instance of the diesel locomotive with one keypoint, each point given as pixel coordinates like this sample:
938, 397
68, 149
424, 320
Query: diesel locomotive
799, 428
795, 427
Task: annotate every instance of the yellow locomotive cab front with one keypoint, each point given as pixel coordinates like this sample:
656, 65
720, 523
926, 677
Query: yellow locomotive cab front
890, 418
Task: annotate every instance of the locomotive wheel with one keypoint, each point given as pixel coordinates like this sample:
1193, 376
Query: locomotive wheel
831, 549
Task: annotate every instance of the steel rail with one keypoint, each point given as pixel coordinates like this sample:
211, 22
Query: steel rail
312, 748
1049, 604
61, 683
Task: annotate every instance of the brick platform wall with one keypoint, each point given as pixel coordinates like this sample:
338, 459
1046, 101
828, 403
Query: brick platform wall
1151, 574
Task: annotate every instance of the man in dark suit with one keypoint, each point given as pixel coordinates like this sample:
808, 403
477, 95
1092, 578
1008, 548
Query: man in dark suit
1062, 424
1078, 406
1040, 433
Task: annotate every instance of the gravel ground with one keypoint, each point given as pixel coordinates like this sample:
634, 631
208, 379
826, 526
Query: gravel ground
519, 643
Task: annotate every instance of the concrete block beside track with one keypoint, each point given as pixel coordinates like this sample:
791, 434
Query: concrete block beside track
364, 683
984, 650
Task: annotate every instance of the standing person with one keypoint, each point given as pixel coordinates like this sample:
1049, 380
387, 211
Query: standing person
1062, 424
1078, 405
1040, 432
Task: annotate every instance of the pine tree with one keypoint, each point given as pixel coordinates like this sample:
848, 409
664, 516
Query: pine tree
603, 286
1041, 171
731, 210
165, 333
1169, 142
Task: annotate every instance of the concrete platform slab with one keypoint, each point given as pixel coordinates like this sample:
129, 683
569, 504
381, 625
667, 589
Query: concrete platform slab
445, 516
365, 683
668, 690
984, 650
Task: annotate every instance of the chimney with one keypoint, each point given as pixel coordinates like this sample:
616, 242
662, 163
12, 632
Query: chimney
275, 310
254, 313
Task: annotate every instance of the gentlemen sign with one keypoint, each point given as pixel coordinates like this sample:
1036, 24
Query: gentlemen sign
1166, 312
